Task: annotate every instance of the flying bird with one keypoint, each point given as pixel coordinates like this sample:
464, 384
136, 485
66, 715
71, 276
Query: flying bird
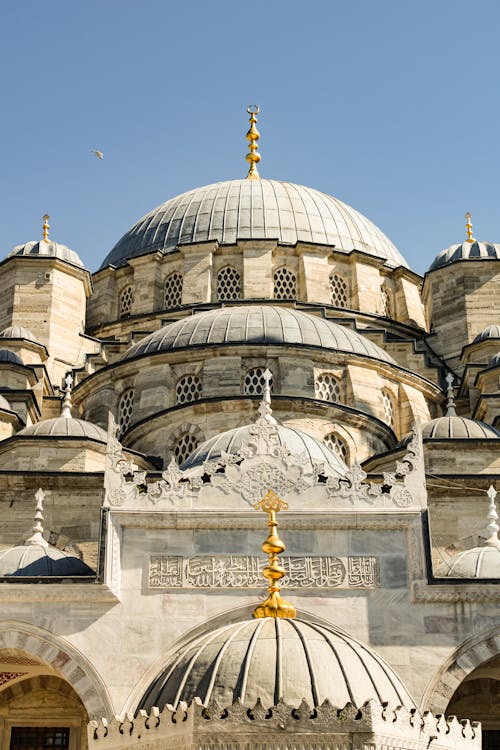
99, 154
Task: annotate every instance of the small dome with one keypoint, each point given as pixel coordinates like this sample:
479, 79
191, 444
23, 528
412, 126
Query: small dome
458, 428
18, 332
64, 427
273, 658
37, 560
296, 441
494, 361
466, 251
256, 324
490, 332
254, 209
478, 562
48, 249
4, 404
7, 356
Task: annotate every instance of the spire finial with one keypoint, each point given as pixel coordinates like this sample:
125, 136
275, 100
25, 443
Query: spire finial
253, 135
45, 227
450, 404
37, 535
66, 404
274, 605
265, 410
468, 227
492, 528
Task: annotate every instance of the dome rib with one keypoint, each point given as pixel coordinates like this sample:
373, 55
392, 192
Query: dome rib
253, 209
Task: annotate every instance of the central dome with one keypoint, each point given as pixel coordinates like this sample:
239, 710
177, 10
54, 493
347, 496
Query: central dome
253, 209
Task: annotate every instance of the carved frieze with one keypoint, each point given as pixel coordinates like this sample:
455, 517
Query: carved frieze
245, 571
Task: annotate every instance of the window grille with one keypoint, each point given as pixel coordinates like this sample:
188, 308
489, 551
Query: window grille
254, 382
327, 387
29, 738
184, 447
228, 285
389, 411
337, 446
126, 302
285, 284
125, 408
338, 290
173, 291
385, 303
188, 389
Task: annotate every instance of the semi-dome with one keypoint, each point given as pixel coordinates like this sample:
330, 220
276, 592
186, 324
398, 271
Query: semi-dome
64, 427
296, 441
454, 427
18, 332
478, 562
7, 356
466, 251
490, 332
256, 324
254, 209
36, 560
273, 659
49, 249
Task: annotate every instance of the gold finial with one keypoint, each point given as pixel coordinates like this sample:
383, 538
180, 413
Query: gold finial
274, 605
253, 136
468, 228
46, 227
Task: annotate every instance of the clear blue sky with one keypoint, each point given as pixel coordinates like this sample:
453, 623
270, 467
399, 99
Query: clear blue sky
391, 106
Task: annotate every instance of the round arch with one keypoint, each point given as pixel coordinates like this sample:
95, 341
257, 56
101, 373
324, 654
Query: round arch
67, 661
468, 656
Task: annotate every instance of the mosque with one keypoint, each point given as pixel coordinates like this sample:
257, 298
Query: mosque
254, 391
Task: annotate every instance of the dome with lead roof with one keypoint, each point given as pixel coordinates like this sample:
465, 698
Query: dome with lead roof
490, 332
258, 210
64, 427
257, 324
454, 427
18, 332
272, 659
11, 357
48, 249
466, 251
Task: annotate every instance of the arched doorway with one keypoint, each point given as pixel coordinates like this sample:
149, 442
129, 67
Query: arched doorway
478, 698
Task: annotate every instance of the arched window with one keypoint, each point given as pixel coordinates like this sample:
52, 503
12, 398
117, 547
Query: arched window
285, 284
389, 409
125, 408
385, 303
254, 382
338, 446
188, 389
338, 290
228, 285
173, 291
327, 387
126, 301
184, 446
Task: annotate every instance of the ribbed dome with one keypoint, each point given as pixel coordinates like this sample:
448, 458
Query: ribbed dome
65, 427
18, 332
7, 356
275, 658
478, 562
256, 324
494, 361
296, 441
4, 404
458, 428
48, 249
490, 332
253, 209
36, 560
466, 251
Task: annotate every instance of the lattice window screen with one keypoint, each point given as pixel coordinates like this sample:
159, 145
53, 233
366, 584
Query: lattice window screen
335, 443
338, 290
285, 284
228, 285
125, 408
385, 303
184, 447
254, 382
126, 301
188, 389
389, 411
173, 291
327, 387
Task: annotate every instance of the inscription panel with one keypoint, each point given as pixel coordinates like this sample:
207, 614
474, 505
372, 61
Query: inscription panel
245, 571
